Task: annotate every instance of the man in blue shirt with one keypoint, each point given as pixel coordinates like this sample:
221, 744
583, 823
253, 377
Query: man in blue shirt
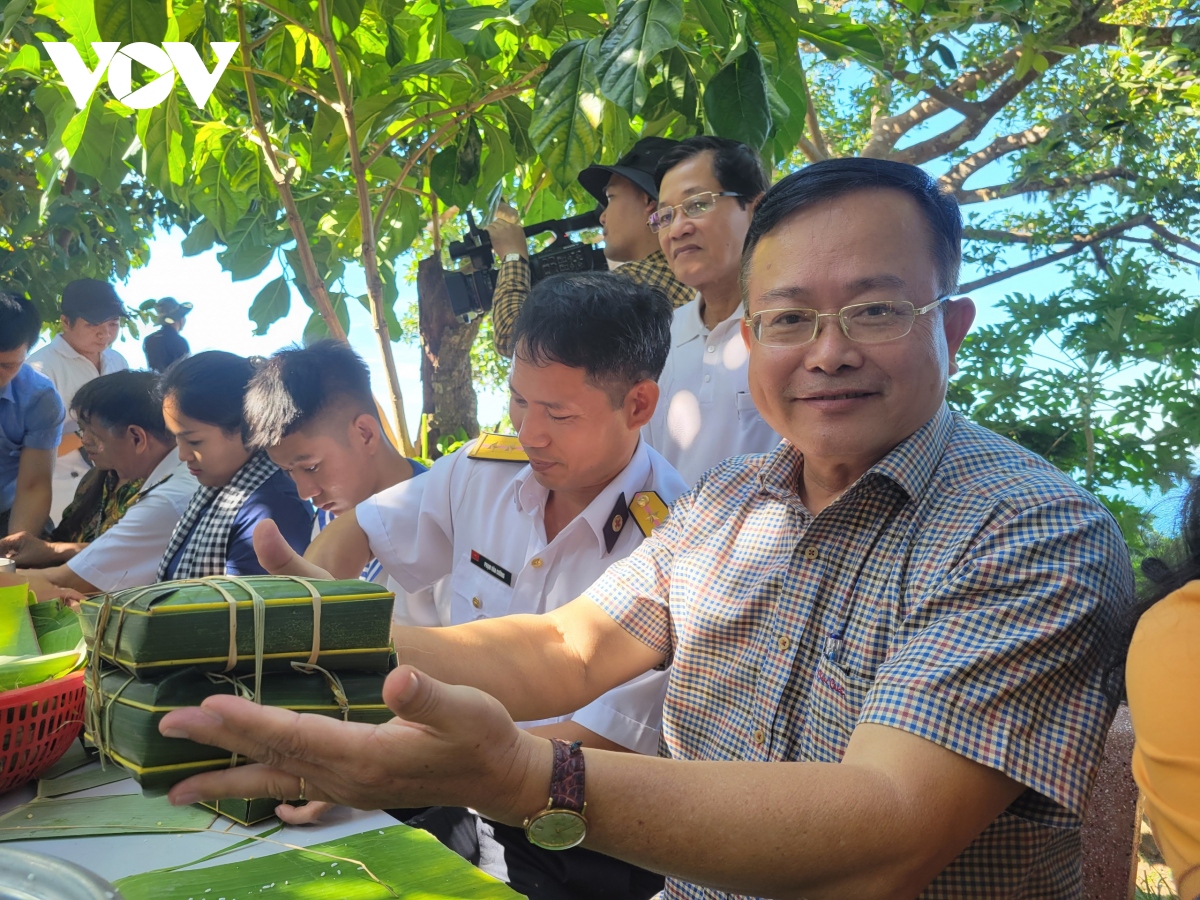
31, 418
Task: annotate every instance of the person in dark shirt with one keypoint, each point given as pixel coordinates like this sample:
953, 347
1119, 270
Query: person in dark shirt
202, 407
166, 345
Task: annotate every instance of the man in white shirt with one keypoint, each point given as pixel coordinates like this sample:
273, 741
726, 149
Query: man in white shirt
91, 320
523, 528
708, 188
121, 424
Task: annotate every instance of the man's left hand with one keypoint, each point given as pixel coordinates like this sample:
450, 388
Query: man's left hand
448, 746
29, 550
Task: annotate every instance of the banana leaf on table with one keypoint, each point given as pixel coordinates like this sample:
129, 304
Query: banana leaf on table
59, 648
175, 624
397, 863
76, 817
123, 714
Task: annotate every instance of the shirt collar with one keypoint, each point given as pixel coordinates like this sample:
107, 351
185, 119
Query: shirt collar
910, 464
60, 346
169, 465
7, 393
531, 497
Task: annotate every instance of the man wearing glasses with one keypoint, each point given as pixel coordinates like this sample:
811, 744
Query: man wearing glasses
886, 636
708, 187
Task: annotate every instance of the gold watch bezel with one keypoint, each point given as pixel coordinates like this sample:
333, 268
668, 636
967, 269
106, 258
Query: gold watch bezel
536, 827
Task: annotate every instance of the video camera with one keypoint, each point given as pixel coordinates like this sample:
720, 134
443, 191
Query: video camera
471, 287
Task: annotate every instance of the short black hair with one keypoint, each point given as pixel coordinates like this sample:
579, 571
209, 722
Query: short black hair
121, 399
20, 323
298, 384
830, 178
209, 387
736, 166
615, 329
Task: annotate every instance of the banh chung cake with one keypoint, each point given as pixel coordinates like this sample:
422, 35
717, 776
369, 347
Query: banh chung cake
210, 623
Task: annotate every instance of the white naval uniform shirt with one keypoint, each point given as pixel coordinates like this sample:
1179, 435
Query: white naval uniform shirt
70, 370
128, 554
705, 413
426, 528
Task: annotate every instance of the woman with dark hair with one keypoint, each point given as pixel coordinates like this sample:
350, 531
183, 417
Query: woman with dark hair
1162, 678
202, 406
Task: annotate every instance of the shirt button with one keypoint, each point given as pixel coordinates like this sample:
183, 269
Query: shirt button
712, 349
784, 643
810, 553
708, 378
477, 603
759, 737
536, 562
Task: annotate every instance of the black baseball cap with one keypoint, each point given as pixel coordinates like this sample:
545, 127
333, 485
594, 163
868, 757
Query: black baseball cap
637, 165
93, 301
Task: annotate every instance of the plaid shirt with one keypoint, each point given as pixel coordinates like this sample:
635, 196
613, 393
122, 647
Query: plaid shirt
959, 591
513, 284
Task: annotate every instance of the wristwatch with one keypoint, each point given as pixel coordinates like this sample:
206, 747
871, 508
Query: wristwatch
561, 825
511, 257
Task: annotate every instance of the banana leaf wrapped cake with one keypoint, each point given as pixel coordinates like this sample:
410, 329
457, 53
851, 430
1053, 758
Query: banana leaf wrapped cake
123, 713
239, 625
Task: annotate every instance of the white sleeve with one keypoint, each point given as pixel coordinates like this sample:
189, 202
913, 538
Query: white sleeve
410, 526
629, 715
128, 554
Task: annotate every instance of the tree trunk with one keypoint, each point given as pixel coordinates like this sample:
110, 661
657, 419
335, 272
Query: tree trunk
447, 388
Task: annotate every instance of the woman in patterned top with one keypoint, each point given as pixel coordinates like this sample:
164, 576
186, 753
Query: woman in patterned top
1162, 678
202, 406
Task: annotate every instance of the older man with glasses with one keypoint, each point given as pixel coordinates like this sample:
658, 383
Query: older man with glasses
708, 187
886, 637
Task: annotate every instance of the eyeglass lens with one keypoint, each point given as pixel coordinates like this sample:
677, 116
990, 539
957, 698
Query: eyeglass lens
868, 323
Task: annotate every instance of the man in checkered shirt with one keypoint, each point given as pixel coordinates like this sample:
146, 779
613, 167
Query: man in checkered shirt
885, 637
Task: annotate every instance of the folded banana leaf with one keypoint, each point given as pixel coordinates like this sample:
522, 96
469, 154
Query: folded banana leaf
122, 716
218, 623
62, 649
244, 812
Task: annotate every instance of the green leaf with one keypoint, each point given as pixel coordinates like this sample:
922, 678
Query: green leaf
84, 816
463, 23
79, 781
735, 101
160, 130
247, 252
78, 19
517, 116
132, 20
773, 30
713, 15
202, 236
348, 12
27, 59
641, 31
14, 11
280, 54
396, 863
566, 113
846, 38
270, 305
97, 139
788, 122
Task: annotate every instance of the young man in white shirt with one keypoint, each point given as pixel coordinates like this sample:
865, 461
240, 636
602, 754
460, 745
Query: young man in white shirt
91, 320
523, 528
708, 188
121, 423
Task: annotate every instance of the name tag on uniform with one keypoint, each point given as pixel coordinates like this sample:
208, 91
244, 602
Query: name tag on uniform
491, 568
503, 447
648, 511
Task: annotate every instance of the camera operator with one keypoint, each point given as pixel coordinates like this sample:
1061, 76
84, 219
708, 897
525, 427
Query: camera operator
628, 195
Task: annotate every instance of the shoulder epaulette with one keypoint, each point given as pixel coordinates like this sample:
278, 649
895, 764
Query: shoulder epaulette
503, 447
648, 510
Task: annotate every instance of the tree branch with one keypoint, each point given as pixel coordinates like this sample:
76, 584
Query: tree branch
814, 125
370, 259
1078, 243
312, 277
1163, 232
811, 153
301, 88
281, 14
1178, 257
1012, 189
1001, 146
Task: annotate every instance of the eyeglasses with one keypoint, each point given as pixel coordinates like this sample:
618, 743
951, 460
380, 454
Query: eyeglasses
866, 323
693, 207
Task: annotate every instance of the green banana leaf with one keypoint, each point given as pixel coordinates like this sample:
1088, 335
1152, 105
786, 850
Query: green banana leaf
57, 626
58, 633
81, 780
406, 863
117, 814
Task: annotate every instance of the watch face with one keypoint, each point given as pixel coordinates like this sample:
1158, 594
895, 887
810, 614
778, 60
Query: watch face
557, 829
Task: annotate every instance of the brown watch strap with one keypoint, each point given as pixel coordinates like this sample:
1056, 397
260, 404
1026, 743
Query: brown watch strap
566, 778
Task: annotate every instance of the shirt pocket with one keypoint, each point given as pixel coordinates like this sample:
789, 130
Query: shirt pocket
476, 594
835, 700
746, 409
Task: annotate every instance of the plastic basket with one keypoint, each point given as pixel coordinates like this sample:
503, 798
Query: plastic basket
37, 725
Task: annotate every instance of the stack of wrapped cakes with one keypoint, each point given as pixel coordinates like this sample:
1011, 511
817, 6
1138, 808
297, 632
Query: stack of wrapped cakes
311, 646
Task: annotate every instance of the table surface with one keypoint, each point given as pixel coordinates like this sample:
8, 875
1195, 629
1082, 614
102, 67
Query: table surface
116, 856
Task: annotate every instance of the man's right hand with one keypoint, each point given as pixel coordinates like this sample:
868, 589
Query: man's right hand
30, 551
506, 233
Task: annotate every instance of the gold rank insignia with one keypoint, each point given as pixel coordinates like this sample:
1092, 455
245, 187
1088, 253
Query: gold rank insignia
504, 447
648, 510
